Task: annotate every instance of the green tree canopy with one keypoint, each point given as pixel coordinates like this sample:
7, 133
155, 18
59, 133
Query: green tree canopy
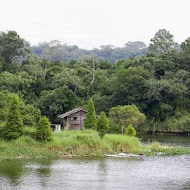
162, 42
129, 87
57, 101
11, 47
125, 115
185, 46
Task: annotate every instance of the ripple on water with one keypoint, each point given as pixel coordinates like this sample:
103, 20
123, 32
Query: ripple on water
158, 172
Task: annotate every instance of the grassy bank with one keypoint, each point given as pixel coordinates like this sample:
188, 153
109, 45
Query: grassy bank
81, 143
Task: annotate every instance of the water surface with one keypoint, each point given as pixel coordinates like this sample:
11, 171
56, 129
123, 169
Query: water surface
156, 172
172, 140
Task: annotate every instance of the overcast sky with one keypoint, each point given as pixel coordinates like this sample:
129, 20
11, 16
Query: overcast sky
91, 23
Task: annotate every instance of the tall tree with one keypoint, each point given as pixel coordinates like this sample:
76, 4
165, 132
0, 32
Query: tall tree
102, 124
11, 47
91, 121
44, 131
162, 42
14, 124
185, 46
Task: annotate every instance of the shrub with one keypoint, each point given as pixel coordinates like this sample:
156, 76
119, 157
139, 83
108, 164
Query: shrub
155, 146
91, 121
30, 115
130, 131
113, 128
102, 124
14, 125
43, 131
29, 131
2, 128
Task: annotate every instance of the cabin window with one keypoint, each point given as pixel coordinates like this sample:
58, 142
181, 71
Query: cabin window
75, 118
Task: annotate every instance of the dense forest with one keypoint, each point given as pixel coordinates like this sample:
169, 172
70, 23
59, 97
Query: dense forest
55, 51
52, 78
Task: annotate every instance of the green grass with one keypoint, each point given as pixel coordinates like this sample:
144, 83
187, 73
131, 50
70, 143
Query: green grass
81, 143
23, 147
155, 148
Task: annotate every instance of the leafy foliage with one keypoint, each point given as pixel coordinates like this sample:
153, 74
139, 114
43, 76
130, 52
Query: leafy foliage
55, 51
14, 125
11, 46
91, 121
43, 132
125, 115
162, 42
130, 131
158, 82
29, 113
102, 124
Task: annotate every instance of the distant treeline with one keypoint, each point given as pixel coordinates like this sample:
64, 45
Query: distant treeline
55, 51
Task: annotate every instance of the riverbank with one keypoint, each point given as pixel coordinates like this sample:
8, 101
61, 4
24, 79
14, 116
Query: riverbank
81, 144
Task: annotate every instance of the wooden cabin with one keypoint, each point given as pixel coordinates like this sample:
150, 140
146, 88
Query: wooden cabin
74, 119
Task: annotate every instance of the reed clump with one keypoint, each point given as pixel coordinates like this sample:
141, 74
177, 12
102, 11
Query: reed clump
80, 144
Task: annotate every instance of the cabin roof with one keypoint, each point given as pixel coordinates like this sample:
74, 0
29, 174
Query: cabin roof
71, 112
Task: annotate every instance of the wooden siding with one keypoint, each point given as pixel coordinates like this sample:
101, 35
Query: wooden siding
75, 120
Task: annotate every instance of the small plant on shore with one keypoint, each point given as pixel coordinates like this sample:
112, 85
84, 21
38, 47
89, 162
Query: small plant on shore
91, 121
130, 131
43, 132
102, 124
155, 145
14, 126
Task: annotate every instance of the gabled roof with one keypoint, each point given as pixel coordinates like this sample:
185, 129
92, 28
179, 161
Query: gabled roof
71, 112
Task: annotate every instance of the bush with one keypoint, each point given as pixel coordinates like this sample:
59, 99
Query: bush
43, 131
155, 146
113, 128
91, 121
30, 115
14, 125
29, 131
130, 131
2, 129
102, 124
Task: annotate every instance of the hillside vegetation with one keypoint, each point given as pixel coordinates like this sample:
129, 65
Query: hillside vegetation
157, 84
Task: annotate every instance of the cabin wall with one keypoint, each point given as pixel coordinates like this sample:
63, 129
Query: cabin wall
76, 120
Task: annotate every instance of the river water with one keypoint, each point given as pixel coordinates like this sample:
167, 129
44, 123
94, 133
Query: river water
154, 173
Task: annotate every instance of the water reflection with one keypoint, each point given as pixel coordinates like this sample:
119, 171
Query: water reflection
164, 172
159, 172
172, 140
12, 170
44, 167
102, 167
